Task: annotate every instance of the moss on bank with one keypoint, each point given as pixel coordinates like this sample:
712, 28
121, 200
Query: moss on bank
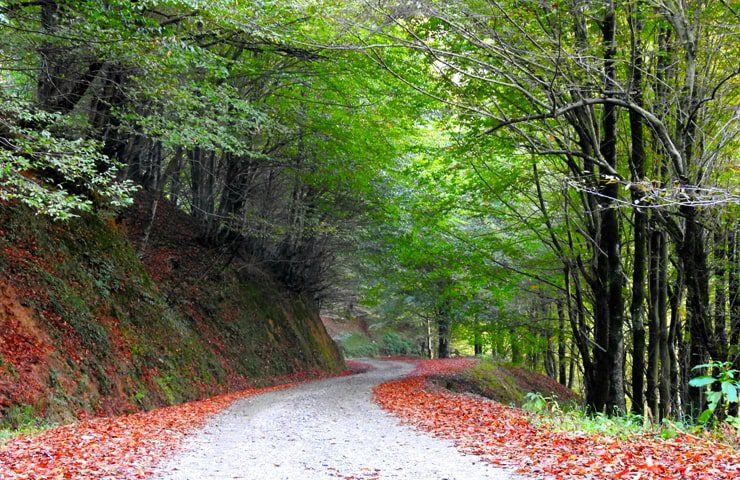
504, 383
89, 328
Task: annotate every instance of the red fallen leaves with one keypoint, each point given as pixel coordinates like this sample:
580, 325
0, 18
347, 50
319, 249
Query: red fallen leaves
125, 447
355, 366
503, 436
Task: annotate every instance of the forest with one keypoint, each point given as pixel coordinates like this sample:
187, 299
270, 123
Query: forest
551, 183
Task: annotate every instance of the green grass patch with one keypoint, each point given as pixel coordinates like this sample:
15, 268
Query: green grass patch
571, 417
20, 420
390, 343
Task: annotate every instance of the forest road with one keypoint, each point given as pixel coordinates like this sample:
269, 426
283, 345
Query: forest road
329, 429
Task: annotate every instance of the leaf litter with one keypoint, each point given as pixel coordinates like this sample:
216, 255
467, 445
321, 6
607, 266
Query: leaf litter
126, 447
502, 435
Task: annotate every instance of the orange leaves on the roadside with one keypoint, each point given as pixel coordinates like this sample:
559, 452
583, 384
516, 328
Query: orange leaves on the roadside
125, 447
109, 448
503, 436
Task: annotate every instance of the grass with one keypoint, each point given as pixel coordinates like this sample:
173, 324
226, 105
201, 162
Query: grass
570, 417
21, 420
505, 383
550, 405
355, 345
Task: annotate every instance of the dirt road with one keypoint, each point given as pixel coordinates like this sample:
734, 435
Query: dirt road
321, 430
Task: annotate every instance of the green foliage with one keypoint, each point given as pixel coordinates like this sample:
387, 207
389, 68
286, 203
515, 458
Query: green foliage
538, 403
49, 172
619, 426
357, 345
567, 417
19, 420
354, 345
393, 344
718, 400
571, 418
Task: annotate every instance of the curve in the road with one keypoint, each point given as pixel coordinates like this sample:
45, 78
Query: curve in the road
321, 430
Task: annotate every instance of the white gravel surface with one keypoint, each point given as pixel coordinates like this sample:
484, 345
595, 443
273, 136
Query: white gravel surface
321, 430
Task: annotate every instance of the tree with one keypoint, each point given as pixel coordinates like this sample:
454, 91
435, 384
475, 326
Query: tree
548, 80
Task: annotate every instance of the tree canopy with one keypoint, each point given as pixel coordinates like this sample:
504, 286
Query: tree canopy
552, 181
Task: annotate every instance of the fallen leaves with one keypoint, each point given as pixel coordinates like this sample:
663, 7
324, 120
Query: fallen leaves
116, 448
503, 436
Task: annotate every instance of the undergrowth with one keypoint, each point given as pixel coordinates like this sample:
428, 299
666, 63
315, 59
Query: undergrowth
90, 328
504, 383
570, 417
21, 420
547, 403
356, 345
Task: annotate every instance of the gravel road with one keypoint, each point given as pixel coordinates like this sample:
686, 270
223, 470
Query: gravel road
321, 430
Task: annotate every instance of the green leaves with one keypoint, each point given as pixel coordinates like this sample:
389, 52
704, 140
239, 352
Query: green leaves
729, 390
702, 381
51, 173
725, 375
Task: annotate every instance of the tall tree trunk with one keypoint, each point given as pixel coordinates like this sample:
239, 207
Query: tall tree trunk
477, 339
636, 313
516, 352
173, 176
107, 98
656, 313
550, 358
694, 259
562, 377
664, 338
430, 338
733, 294
443, 331
609, 267
65, 73
679, 345
720, 298
637, 167
196, 181
572, 365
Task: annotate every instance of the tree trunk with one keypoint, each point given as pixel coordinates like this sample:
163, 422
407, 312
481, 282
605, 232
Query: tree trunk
196, 181
720, 298
664, 338
107, 98
562, 377
430, 339
550, 358
636, 312
637, 167
173, 176
679, 347
610, 307
572, 365
65, 75
478, 342
516, 353
654, 314
694, 259
733, 294
443, 336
